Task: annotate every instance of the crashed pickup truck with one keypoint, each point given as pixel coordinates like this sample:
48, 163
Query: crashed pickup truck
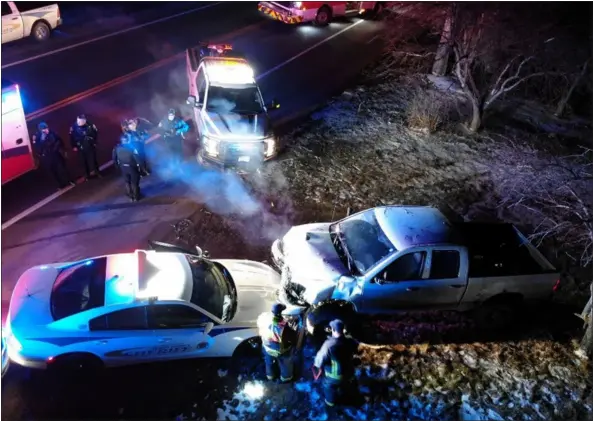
394, 259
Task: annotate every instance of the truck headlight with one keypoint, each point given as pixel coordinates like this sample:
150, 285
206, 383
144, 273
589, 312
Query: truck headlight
211, 145
270, 146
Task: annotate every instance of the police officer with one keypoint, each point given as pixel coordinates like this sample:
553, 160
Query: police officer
336, 359
173, 130
136, 139
49, 148
125, 159
278, 340
83, 139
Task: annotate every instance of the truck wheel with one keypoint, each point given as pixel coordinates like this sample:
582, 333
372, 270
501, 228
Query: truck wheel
320, 317
41, 31
496, 315
323, 17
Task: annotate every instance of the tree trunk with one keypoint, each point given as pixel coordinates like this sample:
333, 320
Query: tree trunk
564, 100
587, 341
439, 67
476, 121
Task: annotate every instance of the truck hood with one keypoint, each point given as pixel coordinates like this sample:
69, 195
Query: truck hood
257, 286
311, 256
239, 126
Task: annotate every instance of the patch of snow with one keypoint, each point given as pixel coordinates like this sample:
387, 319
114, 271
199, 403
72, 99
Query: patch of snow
316, 415
244, 402
222, 373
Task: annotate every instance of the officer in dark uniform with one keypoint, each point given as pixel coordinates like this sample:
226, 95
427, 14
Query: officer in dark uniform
48, 146
336, 359
173, 129
136, 139
83, 138
125, 159
278, 340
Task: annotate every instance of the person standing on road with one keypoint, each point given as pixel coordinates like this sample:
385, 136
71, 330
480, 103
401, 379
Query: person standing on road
49, 147
278, 340
336, 359
136, 139
83, 139
173, 129
125, 158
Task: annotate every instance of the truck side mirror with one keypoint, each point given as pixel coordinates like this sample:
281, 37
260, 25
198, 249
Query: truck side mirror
191, 100
274, 105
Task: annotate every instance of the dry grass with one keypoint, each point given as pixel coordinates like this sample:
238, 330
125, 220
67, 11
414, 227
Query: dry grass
426, 111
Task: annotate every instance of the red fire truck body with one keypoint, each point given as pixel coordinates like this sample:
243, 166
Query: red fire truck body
319, 12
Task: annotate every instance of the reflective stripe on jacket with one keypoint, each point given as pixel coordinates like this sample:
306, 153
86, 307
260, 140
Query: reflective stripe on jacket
272, 337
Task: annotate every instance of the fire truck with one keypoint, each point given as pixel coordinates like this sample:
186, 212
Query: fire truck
234, 129
17, 154
319, 12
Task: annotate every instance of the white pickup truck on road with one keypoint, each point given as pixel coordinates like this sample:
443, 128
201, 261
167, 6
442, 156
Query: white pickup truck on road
23, 19
394, 259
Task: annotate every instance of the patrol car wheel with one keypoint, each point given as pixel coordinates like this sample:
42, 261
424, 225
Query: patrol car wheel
41, 31
247, 358
323, 16
79, 363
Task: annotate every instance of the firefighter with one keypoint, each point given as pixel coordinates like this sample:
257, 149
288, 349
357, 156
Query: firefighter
278, 340
136, 139
125, 158
173, 130
83, 139
336, 359
49, 148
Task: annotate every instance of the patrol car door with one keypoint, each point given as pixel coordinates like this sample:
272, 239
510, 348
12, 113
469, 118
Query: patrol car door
122, 337
180, 330
12, 24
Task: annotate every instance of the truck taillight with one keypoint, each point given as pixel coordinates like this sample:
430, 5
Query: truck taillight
556, 285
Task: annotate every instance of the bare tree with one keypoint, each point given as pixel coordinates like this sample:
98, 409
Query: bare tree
587, 317
441, 60
566, 97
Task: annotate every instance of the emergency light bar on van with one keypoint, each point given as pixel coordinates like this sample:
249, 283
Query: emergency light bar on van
220, 47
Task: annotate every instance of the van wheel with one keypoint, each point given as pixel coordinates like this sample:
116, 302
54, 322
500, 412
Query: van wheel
41, 31
323, 17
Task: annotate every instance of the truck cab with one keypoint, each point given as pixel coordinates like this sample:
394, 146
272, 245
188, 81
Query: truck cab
17, 154
232, 121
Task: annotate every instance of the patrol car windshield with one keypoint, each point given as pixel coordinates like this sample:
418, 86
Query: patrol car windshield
79, 287
211, 290
361, 241
236, 100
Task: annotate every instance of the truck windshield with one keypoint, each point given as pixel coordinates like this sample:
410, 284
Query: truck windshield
234, 100
211, 290
363, 240
78, 288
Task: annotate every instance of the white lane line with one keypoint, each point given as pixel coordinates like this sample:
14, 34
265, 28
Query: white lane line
302, 53
123, 31
372, 39
108, 164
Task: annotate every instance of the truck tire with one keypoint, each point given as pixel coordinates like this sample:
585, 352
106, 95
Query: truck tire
497, 314
41, 31
322, 314
324, 16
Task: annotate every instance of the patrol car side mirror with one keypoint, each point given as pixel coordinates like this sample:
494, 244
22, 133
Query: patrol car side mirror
199, 251
191, 100
208, 328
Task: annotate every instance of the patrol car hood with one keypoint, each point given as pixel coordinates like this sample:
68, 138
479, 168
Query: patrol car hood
30, 301
257, 285
312, 260
239, 126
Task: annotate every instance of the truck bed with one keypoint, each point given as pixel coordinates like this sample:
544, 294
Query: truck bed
500, 250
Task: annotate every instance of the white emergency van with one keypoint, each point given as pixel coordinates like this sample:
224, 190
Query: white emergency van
17, 153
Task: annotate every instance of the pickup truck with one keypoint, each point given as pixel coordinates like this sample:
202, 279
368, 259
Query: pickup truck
26, 19
393, 259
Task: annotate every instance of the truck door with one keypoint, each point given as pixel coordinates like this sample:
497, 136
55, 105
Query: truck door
17, 157
447, 277
12, 23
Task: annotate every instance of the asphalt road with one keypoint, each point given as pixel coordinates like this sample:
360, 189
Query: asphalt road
300, 66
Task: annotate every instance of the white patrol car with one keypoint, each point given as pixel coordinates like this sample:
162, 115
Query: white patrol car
136, 307
231, 118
